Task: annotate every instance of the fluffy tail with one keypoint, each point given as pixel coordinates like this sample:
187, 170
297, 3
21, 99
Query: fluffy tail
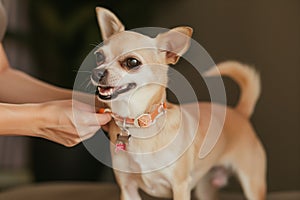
248, 80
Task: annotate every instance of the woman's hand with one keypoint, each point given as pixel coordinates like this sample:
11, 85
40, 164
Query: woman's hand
68, 122
58, 120
65, 122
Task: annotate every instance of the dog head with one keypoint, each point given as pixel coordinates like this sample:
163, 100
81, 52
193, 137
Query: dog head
128, 63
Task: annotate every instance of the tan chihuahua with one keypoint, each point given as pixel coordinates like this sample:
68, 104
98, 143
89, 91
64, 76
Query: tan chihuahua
155, 145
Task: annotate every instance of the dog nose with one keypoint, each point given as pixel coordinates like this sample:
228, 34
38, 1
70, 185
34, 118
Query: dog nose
99, 74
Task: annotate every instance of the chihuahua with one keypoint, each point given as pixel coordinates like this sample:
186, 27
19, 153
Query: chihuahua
155, 144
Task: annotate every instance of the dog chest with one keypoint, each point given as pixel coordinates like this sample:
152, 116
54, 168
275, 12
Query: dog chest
156, 184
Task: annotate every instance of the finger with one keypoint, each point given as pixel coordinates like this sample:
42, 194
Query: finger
83, 131
84, 97
105, 127
83, 106
88, 136
86, 119
103, 118
90, 133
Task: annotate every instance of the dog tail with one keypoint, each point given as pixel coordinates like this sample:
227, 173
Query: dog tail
247, 78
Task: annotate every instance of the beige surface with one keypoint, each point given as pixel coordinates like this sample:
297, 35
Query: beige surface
91, 191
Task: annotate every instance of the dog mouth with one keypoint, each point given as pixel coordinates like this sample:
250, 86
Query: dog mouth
111, 92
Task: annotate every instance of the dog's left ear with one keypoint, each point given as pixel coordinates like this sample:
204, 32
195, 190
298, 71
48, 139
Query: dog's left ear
108, 22
175, 43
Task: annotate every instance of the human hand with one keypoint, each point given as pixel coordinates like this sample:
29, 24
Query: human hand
69, 122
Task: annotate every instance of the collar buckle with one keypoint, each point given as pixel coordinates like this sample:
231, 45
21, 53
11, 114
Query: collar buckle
143, 121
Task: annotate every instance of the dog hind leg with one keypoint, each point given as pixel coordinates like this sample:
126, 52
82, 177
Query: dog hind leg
251, 172
208, 186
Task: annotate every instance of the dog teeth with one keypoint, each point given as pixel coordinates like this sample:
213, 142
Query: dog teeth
109, 91
106, 91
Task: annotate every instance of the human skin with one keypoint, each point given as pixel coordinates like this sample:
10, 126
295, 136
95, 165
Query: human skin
34, 108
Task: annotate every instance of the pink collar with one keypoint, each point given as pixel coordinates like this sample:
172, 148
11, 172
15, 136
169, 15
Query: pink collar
143, 121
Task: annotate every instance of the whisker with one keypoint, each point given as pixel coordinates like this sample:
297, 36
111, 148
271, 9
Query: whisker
96, 44
85, 69
87, 85
82, 71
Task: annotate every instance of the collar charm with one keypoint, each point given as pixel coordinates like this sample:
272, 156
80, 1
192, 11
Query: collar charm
122, 141
143, 121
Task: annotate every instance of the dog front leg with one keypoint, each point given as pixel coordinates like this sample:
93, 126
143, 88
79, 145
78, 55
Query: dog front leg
182, 191
130, 192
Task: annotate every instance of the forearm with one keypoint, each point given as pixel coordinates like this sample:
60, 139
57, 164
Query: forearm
19, 119
58, 121
18, 87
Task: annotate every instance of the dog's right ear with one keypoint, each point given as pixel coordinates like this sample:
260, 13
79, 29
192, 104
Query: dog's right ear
108, 22
175, 43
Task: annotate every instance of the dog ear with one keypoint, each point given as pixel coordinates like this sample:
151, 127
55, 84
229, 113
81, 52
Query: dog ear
108, 23
175, 43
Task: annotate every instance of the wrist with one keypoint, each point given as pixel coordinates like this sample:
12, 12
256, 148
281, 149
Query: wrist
19, 119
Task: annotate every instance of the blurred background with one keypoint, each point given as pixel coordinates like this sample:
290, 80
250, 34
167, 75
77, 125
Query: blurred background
50, 38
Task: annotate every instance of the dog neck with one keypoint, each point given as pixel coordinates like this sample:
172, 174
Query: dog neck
142, 101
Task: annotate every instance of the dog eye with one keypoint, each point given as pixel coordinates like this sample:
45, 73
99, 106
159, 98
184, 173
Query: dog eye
99, 58
131, 63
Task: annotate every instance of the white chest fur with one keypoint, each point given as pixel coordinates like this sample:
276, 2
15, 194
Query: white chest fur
155, 183
152, 157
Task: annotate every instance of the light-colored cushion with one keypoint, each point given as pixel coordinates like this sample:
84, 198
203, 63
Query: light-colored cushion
92, 191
